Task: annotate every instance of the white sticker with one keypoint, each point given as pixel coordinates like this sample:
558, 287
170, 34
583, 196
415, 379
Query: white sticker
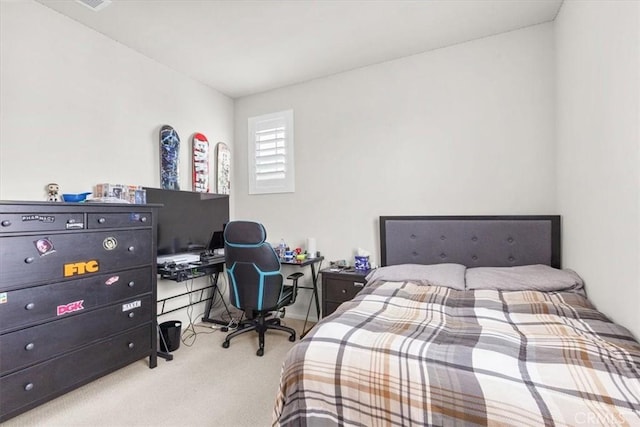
131, 305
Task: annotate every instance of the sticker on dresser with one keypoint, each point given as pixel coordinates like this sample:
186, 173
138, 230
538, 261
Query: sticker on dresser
83, 267
131, 305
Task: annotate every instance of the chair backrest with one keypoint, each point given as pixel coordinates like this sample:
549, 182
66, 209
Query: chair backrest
253, 267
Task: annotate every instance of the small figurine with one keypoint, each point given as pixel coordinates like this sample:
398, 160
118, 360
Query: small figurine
52, 190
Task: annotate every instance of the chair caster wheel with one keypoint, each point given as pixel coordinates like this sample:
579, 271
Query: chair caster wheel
260, 352
292, 338
225, 344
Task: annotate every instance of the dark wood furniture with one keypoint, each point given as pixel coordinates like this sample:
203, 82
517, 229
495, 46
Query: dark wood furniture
77, 296
340, 286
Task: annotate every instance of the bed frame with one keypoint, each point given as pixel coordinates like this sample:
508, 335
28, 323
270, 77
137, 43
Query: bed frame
474, 241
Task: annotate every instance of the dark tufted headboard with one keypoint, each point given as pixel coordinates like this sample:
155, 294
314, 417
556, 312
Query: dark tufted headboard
474, 241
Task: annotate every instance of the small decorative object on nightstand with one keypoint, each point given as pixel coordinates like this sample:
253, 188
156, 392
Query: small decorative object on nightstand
340, 286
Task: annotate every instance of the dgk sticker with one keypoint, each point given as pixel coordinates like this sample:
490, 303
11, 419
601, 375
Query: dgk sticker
70, 308
80, 268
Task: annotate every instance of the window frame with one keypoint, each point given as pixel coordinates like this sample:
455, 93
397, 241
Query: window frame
275, 185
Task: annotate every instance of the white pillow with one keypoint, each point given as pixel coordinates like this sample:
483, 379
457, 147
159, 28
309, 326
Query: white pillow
527, 277
449, 275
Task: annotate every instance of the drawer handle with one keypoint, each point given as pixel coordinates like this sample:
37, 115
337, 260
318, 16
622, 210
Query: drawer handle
131, 315
29, 260
358, 284
6, 223
131, 248
143, 219
131, 345
29, 346
28, 387
131, 284
102, 220
30, 306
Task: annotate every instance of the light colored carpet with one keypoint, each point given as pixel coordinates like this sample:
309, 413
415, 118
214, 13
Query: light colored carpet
204, 385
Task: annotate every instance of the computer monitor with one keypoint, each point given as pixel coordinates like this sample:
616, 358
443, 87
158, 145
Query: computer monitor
187, 218
216, 242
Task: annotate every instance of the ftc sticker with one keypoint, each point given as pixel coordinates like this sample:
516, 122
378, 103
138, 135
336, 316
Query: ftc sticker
70, 308
131, 305
80, 268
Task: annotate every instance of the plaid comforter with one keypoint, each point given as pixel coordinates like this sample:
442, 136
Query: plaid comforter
403, 354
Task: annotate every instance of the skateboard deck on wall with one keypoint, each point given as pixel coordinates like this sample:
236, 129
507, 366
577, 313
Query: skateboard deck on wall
169, 155
200, 161
223, 166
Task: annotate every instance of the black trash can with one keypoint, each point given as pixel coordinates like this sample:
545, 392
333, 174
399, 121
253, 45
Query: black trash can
170, 335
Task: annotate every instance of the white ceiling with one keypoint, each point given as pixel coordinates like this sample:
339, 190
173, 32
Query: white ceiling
245, 47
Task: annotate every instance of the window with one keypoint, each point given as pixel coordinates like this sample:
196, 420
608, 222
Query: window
271, 168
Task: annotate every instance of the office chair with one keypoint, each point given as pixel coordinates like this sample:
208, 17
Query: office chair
255, 282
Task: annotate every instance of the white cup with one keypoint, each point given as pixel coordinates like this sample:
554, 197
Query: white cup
311, 254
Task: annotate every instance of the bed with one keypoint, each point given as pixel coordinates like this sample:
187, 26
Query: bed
470, 321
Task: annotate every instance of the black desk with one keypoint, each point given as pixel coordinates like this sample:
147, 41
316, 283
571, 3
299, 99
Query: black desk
213, 269
314, 279
189, 271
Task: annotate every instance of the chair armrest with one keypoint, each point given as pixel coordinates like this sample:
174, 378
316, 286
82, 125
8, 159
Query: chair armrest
294, 277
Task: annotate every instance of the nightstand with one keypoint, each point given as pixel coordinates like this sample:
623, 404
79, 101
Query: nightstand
340, 286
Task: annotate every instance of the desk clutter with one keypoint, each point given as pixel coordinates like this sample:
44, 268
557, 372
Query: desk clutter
288, 255
180, 272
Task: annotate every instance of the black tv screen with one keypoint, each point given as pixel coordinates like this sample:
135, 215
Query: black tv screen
187, 220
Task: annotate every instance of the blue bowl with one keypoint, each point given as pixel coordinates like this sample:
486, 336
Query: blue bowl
75, 198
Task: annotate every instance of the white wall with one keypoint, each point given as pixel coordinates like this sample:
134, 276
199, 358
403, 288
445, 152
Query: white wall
598, 135
467, 129
79, 109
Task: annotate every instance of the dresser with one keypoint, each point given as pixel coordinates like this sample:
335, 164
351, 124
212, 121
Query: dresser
77, 296
340, 286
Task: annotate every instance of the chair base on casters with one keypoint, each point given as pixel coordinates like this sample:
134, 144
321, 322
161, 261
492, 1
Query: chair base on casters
260, 325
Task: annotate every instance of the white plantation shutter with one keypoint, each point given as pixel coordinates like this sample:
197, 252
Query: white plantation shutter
271, 168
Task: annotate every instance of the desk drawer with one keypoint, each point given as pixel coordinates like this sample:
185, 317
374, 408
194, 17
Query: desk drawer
29, 306
32, 345
30, 387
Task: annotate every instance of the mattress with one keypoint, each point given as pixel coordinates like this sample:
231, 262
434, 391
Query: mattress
405, 353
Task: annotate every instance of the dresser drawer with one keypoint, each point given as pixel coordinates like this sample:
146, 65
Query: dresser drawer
25, 307
30, 387
340, 286
32, 345
341, 290
72, 255
34, 221
118, 220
